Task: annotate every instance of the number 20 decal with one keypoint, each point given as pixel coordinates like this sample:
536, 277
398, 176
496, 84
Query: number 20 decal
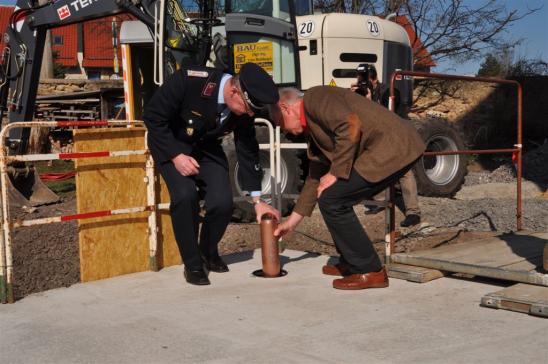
306, 29
373, 28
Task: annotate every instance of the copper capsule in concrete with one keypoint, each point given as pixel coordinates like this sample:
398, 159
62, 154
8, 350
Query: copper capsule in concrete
269, 247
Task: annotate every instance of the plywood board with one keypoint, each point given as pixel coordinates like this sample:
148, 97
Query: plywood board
413, 274
115, 245
510, 256
520, 297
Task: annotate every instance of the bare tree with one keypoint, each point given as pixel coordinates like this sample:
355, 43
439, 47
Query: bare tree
454, 29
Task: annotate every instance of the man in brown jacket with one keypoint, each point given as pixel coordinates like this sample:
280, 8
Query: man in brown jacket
356, 148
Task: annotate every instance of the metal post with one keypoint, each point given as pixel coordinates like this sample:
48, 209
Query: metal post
150, 180
518, 150
519, 146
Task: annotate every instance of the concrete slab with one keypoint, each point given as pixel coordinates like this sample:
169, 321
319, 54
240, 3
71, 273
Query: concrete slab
157, 318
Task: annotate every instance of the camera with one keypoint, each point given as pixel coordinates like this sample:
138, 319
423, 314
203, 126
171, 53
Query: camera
364, 83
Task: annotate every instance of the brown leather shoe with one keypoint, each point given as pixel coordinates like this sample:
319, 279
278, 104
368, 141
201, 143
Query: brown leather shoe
362, 281
339, 269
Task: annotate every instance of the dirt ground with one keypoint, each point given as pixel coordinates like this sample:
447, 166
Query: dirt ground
46, 256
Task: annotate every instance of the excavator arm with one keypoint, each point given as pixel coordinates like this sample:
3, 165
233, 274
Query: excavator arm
22, 57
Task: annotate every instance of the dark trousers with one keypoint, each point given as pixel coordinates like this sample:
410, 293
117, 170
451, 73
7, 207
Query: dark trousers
351, 240
212, 185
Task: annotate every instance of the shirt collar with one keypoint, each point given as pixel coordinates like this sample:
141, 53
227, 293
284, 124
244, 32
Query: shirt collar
304, 124
221, 96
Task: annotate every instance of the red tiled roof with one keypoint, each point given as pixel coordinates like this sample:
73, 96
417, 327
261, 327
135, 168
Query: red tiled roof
420, 53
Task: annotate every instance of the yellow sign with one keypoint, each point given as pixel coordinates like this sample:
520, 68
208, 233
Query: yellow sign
259, 53
332, 83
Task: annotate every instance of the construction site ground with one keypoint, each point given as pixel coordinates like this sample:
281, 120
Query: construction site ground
155, 317
47, 257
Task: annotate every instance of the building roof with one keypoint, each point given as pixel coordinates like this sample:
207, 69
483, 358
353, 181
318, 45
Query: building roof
97, 49
66, 52
420, 53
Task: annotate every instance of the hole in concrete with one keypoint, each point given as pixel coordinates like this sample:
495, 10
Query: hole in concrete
260, 273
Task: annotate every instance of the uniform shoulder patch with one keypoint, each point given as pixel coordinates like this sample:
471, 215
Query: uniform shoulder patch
194, 73
208, 89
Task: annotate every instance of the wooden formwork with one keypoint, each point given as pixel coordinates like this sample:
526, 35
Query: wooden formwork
115, 245
514, 257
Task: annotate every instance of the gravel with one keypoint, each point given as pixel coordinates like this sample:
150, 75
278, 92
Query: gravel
484, 214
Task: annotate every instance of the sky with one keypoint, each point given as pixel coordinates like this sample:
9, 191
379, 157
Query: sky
532, 30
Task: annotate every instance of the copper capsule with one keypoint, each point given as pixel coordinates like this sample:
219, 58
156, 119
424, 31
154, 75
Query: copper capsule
269, 246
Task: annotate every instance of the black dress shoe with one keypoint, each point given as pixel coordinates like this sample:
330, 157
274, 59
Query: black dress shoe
216, 264
410, 220
373, 210
197, 277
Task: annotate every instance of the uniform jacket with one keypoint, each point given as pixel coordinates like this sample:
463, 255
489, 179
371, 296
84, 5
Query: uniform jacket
345, 131
182, 117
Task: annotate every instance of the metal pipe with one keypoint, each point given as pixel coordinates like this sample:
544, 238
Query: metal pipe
519, 146
277, 141
392, 209
477, 151
519, 155
269, 247
5, 281
150, 180
3, 199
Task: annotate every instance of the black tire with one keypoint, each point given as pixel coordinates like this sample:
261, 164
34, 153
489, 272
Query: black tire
291, 180
440, 176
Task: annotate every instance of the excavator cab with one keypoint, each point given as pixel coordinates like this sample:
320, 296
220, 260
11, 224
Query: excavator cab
220, 34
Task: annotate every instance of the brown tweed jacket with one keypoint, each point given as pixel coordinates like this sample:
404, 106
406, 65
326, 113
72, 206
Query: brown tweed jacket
347, 131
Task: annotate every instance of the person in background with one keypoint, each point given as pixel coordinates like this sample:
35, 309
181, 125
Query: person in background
368, 85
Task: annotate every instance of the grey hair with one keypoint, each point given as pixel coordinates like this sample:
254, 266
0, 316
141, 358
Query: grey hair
290, 95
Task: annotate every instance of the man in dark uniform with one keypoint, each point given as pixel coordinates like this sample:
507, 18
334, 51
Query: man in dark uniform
186, 120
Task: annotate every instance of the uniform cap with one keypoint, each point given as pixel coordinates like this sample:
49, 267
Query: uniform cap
258, 87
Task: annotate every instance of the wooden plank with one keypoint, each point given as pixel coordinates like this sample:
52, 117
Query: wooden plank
520, 298
115, 245
492, 252
478, 270
413, 274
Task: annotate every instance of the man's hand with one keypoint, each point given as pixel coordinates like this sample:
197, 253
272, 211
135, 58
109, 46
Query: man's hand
186, 165
354, 86
326, 181
288, 225
262, 208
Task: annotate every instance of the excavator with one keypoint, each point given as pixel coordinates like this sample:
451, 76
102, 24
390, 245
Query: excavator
296, 46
